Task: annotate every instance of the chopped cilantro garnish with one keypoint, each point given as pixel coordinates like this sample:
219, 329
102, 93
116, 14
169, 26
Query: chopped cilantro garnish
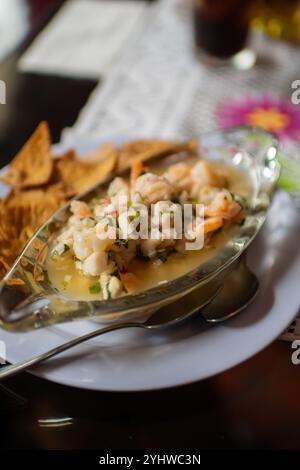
163, 259
54, 256
134, 216
59, 251
95, 288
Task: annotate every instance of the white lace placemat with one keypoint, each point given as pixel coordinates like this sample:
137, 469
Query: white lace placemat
159, 88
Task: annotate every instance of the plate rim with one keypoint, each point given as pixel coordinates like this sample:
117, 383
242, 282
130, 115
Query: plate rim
174, 381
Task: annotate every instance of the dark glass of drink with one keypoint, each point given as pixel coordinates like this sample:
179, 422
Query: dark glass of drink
221, 26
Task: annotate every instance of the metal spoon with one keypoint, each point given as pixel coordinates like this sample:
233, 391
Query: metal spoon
216, 302
238, 291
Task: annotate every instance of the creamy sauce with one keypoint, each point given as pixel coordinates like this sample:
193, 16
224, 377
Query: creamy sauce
147, 274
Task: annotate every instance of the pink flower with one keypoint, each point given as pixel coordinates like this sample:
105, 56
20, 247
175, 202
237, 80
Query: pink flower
274, 114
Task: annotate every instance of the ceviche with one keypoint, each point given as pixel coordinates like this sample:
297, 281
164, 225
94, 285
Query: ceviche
93, 259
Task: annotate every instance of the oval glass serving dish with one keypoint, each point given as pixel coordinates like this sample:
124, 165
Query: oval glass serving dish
36, 303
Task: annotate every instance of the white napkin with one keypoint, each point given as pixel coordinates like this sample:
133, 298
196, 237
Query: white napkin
84, 38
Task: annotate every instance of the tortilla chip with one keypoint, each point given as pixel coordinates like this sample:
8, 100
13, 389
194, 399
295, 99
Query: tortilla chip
12, 240
101, 153
69, 155
21, 214
13, 235
145, 149
60, 190
4, 267
41, 199
78, 175
33, 165
33, 207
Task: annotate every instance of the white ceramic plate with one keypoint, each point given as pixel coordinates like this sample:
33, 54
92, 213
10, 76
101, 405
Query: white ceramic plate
144, 360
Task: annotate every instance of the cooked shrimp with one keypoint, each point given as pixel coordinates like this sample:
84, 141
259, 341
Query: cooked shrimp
179, 175
105, 210
137, 169
116, 186
207, 194
212, 223
208, 225
152, 188
119, 192
233, 210
80, 209
223, 205
95, 264
203, 174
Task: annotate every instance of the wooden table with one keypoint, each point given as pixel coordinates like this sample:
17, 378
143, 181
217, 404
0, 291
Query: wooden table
254, 405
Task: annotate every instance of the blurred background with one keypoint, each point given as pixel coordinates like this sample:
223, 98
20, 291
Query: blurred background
167, 67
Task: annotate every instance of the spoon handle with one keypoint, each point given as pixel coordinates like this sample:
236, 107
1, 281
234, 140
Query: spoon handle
8, 371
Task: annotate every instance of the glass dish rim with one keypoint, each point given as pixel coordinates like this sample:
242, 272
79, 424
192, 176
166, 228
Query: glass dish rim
182, 285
